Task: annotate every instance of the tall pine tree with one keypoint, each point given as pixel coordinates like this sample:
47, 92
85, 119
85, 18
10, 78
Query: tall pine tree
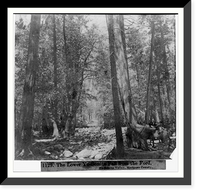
27, 108
119, 138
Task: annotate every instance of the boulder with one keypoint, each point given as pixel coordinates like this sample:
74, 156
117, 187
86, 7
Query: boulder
67, 154
99, 156
47, 153
84, 153
93, 154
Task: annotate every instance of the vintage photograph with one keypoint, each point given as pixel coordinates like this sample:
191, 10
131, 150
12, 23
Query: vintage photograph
95, 87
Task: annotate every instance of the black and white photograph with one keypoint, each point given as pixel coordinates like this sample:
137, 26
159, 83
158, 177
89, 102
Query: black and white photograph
95, 88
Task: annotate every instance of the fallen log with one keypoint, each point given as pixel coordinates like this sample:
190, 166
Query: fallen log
45, 140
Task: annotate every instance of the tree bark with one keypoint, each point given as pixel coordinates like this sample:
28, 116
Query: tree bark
175, 63
150, 70
132, 109
45, 122
68, 108
65, 41
138, 81
29, 85
70, 105
17, 131
155, 114
55, 69
164, 57
159, 91
124, 81
119, 138
134, 138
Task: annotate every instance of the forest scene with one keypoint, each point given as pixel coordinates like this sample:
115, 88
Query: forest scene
95, 87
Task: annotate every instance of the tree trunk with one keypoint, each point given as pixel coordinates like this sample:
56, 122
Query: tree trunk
123, 74
68, 87
157, 119
29, 85
50, 119
55, 130
134, 138
45, 122
77, 104
132, 110
71, 88
55, 69
150, 70
17, 131
64, 36
72, 118
164, 57
15, 109
138, 81
159, 91
155, 115
175, 63
119, 138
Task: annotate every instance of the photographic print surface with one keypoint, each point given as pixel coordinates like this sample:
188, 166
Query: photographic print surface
95, 91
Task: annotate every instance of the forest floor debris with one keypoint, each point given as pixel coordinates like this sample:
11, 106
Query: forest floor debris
90, 143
